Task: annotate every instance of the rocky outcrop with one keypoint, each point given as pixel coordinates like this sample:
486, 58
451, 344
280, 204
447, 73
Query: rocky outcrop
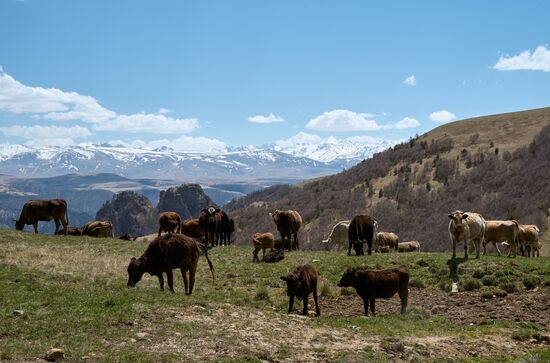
187, 200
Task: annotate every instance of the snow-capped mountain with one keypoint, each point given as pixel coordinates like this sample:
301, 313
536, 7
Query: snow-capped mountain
278, 162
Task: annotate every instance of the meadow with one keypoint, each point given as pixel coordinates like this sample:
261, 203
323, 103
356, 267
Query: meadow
70, 293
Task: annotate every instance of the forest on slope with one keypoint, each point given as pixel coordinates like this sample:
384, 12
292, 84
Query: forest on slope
496, 165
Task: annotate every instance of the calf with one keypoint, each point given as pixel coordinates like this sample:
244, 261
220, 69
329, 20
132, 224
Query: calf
192, 228
98, 229
169, 222
165, 254
301, 282
261, 241
411, 246
371, 285
529, 239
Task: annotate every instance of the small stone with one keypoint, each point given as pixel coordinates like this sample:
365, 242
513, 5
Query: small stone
142, 335
54, 355
18, 312
316, 261
133, 340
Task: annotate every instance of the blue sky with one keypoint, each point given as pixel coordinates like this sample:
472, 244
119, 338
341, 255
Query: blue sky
203, 74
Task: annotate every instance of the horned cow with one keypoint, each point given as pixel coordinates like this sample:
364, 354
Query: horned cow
466, 226
373, 284
43, 210
166, 253
338, 235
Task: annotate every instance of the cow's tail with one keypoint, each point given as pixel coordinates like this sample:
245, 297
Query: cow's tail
205, 250
516, 238
375, 233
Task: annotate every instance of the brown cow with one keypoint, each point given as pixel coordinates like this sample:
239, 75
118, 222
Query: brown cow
529, 239
371, 284
98, 229
192, 228
288, 224
387, 241
73, 231
169, 222
301, 282
467, 227
261, 241
227, 227
210, 220
43, 210
410, 246
501, 231
166, 253
361, 229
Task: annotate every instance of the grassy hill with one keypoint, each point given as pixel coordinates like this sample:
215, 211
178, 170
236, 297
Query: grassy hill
496, 165
70, 293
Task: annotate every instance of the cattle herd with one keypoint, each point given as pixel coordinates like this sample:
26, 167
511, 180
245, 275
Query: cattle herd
182, 244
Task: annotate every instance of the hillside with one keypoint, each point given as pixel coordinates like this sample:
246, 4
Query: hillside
70, 293
497, 165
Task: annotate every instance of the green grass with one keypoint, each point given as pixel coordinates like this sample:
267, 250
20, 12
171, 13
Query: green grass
73, 295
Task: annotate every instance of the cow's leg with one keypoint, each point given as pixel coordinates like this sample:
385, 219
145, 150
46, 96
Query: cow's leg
477, 242
404, 296
255, 255
304, 311
161, 281
290, 303
263, 253
349, 248
369, 245
192, 273
160, 231
170, 278
35, 225
185, 280
454, 242
317, 310
57, 224
498, 249
372, 307
466, 249
366, 305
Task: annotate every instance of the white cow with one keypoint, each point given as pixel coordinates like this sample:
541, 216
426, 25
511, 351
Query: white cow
338, 236
468, 227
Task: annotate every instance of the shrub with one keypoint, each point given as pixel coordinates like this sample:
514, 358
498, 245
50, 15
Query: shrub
326, 289
479, 273
547, 281
347, 291
416, 282
499, 292
530, 281
445, 285
422, 263
508, 285
522, 334
262, 294
469, 284
489, 280
486, 293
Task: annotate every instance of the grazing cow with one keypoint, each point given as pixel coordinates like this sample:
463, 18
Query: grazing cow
210, 220
288, 224
529, 239
301, 282
166, 253
386, 240
501, 231
467, 227
43, 210
338, 235
127, 237
261, 241
371, 284
73, 231
227, 227
361, 229
98, 229
169, 222
410, 246
192, 228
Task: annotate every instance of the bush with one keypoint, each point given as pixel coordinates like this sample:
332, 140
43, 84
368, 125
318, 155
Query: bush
418, 283
347, 291
262, 294
326, 289
530, 281
445, 285
499, 292
508, 285
522, 334
422, 263
469, 284
486, 293
489, 280
547, 281
479, 273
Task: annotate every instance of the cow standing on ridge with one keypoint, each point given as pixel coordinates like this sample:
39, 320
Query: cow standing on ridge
43, 210
361, 229
210, 220
468, 227
169, 222
288, 224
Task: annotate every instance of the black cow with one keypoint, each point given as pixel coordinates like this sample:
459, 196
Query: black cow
43, 210
361, 229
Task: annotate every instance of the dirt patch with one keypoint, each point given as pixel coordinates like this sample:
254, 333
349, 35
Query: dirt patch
464, 308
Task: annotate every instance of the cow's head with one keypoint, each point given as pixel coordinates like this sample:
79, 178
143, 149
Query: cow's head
135, 270
458, 218
19, 225
349, 278
211, 213
293, 284
275, 215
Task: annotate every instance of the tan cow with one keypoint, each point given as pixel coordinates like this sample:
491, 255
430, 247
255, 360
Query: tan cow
192, 228
529, 239
467, 227
411, 246
501, 231
98, 229
261, 241
338, 235
387, 241
288, 224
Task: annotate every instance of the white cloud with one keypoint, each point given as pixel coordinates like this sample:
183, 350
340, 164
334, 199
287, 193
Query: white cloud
442, 116
183, 143
46, 132
406, 123
539, 60
261, 119
58, 105
148, 122
410, 80
299, 138
343, 120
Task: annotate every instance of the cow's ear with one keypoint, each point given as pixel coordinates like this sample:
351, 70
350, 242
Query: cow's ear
133, 259
450, 216
218, 210
464, 216
284, 278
